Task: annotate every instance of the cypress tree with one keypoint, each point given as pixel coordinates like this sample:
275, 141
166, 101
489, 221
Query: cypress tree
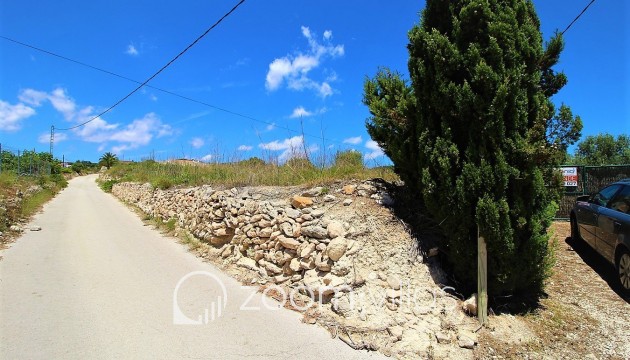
475, 135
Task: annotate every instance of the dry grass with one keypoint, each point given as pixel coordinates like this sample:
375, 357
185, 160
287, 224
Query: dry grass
253, 172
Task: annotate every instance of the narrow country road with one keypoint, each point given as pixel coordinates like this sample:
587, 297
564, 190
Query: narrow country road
95, 283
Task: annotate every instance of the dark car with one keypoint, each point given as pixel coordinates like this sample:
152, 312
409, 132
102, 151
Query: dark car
603, 221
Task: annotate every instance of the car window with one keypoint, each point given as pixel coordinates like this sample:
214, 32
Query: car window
603, 197
621, 202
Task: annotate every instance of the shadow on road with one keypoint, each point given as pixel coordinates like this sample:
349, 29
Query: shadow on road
601, 266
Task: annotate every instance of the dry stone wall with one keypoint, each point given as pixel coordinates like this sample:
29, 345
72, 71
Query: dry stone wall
282, 239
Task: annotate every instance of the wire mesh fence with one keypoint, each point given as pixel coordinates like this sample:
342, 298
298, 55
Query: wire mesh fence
590, 179
23, 162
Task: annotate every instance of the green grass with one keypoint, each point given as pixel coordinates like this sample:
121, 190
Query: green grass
31, 204
107, 185
10, 184
244, 173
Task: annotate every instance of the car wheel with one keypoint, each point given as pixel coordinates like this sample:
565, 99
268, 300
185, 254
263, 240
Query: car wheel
623, 270
575, 231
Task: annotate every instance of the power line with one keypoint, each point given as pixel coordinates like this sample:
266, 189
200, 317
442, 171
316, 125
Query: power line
577, 17
48, 52
159, 71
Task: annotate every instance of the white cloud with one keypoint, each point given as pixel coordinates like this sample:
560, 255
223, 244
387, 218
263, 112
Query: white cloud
197, 142
299, 112
353, 140
12, 115
153, 97
131, 50
207, 158
245, 148
45, 138
139, 132
32, 97
291, 148
375, 152
295, 68
270, 127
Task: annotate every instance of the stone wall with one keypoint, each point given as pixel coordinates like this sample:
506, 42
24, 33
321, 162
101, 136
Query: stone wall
281, 239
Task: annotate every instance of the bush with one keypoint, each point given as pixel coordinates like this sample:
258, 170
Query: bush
351, 160
476, 136
108, 185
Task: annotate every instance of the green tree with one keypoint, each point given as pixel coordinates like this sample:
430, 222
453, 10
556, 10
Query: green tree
108, 160
603, 149
476, 135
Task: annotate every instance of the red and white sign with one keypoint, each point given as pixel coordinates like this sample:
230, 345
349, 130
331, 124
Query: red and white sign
570, 175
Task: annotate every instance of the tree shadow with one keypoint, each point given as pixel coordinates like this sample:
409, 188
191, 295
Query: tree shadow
424, 231
599, 264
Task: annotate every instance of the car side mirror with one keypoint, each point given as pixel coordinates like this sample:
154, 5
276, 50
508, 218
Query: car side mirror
586, 198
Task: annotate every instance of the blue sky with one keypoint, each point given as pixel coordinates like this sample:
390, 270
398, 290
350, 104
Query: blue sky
290, 67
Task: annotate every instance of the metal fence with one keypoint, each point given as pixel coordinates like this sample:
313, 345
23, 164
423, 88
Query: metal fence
24, 162
590, 179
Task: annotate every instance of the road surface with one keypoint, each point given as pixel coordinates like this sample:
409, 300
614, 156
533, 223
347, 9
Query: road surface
95, 283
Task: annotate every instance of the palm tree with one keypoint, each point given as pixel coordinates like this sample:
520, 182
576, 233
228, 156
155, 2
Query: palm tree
108, 159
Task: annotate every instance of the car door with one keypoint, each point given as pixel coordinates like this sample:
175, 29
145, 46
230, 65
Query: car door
588, 216
611, 222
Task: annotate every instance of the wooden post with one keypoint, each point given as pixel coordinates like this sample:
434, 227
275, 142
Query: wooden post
482, 280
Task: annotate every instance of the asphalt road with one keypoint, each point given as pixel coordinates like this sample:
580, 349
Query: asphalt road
95, 283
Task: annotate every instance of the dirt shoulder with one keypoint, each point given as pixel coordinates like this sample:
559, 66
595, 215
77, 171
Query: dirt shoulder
583, 316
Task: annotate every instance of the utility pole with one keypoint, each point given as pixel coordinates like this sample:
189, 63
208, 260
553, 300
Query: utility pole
52, 138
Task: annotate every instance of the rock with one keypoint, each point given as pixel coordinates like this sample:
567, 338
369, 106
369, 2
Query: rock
396, 331
247, 263
288, 243
295, 265
342, 306
300, 202
330, 198
387, 200
392, 294
335, 229
316, 191
35, 228
308, 250
280, 279
316, 232
337, 248
433, 252
465, 342
358, 280
470, 305
442, 338
321, 264
348, 189
292, 213
347, 202
317, 213
287, 229
307, 264
265, 233
393, 282
16, 228
273, 268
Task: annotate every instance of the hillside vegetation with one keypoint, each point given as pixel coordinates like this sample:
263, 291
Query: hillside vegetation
22, 196
251, 172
